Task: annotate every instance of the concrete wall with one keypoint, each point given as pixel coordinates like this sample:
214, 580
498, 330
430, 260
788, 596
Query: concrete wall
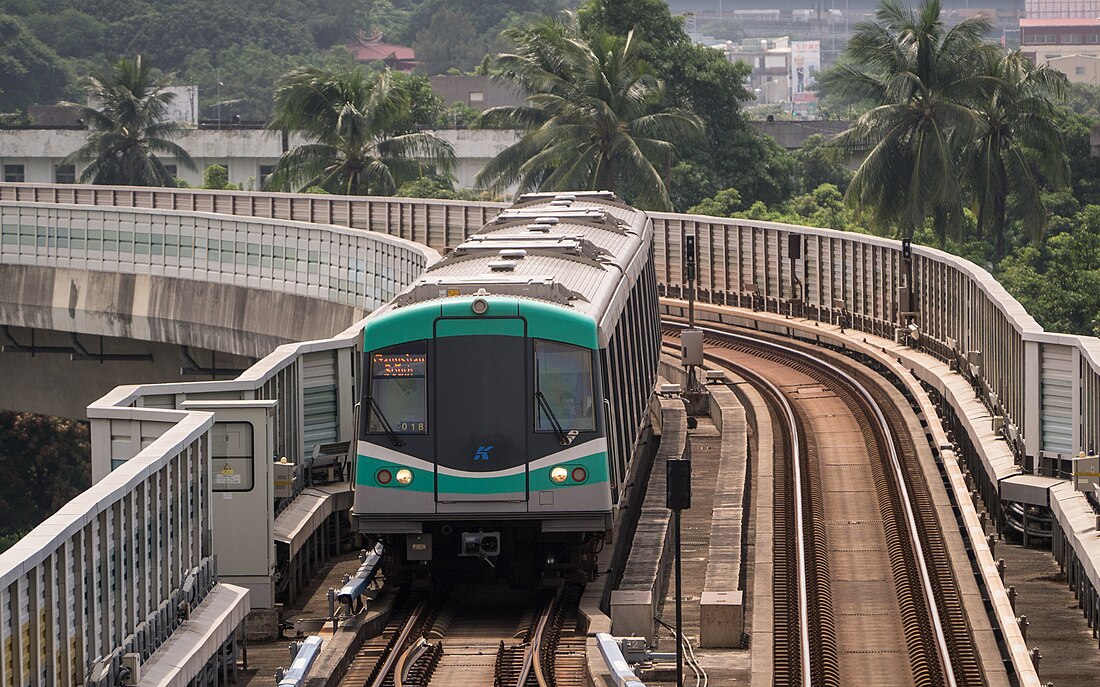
791, 134
219, 317
478, 92
209, 282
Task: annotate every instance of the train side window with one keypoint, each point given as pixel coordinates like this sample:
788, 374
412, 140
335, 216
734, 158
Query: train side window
397, 398
563, 374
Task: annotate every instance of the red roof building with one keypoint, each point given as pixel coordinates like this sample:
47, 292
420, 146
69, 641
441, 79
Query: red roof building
372, 49
1071, 46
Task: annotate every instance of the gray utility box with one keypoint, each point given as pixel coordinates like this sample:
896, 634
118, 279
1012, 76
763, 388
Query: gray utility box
691, 347
632, 615
721, 620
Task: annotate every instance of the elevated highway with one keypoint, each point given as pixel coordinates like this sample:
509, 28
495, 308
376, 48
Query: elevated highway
1022, 401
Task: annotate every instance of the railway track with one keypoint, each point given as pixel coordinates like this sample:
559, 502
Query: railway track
477, 636
864, 590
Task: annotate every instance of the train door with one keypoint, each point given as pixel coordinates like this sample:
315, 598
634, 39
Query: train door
481, 413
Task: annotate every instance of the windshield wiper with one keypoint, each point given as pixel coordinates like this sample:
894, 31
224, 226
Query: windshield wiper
563, 438
397, 441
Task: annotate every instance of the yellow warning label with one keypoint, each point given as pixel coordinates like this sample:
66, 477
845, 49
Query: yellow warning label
451, 293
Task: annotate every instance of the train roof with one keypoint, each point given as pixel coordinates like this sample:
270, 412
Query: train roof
583, 251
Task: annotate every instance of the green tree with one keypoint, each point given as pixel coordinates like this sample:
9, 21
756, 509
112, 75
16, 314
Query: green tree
725, 203
70, 32
818, 164
920, 77
128, 128
1017, 135
449, 41
1084, 169
30, 72
358, 125
1058, 281
701, 80
593, 119
46, 463
216, 177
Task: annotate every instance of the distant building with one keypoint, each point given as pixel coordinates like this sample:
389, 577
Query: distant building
478, 92
184, 108
770, 60
783, 71
249, 154
1072, 46
372, 49
1062, 9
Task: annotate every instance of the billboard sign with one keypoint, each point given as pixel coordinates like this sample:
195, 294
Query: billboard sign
805, 64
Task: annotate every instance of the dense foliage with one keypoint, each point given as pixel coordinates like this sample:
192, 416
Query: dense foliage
245, 44
361, 127
951, 122
702, 81
46, 462
596, 116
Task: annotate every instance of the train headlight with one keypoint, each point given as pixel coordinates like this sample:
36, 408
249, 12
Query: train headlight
404, 476
383, 476
559, 475
480, 306
579, 474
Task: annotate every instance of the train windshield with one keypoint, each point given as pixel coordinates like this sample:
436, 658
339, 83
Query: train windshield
399, 389
563, 375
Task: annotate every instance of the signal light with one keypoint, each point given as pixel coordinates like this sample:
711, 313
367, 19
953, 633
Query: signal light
383, 476
579, 474
559, 475
404, 477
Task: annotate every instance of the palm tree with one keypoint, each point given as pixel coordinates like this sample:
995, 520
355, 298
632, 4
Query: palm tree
360, 132
593, 117
126, 114
920, 79
1017, 138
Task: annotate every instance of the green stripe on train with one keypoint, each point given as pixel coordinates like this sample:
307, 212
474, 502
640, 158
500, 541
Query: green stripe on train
544, 321
480, 483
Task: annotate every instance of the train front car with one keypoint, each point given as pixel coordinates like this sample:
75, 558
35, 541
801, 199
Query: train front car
484, 442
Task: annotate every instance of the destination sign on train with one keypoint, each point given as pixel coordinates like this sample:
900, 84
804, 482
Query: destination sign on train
398, 364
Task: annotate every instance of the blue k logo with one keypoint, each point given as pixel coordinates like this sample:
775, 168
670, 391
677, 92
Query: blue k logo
482, 452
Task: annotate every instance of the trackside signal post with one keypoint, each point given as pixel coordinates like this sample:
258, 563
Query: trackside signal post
691, 339
678, 498
690, 256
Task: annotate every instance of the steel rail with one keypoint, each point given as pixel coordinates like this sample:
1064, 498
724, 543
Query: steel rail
402, 638
800, 534
895, 464
531, 656
409, 658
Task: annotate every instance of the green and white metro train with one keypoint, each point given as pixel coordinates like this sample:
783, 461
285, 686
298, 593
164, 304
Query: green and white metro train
506, 390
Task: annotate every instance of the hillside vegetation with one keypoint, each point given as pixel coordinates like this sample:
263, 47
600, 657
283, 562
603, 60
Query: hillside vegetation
45, 45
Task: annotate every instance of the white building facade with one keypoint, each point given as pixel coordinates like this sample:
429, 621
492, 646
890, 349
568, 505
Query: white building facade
36, 155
